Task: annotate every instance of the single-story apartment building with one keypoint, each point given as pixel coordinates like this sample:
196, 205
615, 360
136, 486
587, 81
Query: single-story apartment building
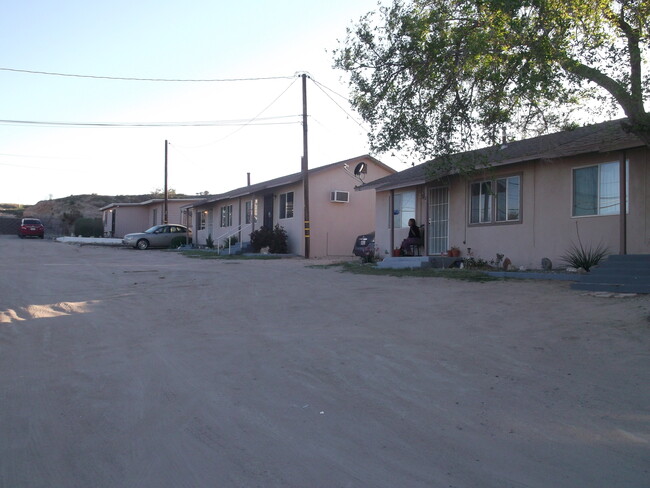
337, 213
120, 219
526, 200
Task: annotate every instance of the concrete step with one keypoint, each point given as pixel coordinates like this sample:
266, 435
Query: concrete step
618, 273
615, 275
612, 287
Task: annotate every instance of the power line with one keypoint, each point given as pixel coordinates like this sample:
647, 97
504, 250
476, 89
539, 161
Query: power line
166, 80
322, 87
213, 123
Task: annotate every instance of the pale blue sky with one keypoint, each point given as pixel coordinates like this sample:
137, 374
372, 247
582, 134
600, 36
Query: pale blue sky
193, 39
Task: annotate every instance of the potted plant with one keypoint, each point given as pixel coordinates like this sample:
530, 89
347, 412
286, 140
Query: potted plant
454, 251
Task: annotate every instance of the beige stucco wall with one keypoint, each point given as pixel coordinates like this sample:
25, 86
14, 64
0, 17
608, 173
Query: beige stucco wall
137, 218
547, 228
334, 226
127, 220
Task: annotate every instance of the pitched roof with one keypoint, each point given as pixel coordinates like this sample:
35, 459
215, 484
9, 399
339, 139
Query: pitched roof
149, 202
282, 181
599, 138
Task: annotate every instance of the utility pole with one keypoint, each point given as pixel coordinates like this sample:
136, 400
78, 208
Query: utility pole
165, 213
305, 165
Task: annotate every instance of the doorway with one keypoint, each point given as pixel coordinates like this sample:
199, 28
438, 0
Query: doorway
268, 211
438, 228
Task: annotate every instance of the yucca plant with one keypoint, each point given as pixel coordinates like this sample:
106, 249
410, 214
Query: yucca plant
580, 257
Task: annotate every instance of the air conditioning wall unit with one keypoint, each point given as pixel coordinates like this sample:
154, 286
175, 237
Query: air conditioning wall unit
340, 196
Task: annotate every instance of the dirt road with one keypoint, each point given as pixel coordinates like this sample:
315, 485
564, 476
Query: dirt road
124, 368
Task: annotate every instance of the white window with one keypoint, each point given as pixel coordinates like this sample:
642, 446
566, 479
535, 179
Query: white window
403, 208
497, 200
596, 190
203, 218
226, 216
251, 211
481, 202
286, 205
507, 199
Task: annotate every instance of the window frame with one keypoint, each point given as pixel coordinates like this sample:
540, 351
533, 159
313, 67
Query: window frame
202, 220
599, 183
226, 216
401, 218
489, 204
287, 205
250, 209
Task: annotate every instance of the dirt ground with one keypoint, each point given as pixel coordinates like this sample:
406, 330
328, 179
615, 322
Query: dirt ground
126, 368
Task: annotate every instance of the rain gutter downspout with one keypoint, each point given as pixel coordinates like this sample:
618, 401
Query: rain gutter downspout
392, 221
622, 166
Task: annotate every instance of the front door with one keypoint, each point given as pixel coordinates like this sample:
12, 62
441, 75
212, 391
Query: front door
438, 228
268, 211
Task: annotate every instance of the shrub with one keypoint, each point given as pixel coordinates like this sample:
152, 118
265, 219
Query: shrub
261, 238
209, 242
179, 241
88, 227
585, 258
275, 239
476, 263
230, 241
279, 241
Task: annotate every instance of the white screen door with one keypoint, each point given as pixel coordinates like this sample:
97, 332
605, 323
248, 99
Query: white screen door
438, 228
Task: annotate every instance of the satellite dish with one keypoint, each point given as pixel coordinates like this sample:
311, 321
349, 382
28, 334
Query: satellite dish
360, 170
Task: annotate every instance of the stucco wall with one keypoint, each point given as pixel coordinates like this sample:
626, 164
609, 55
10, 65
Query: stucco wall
547, 228
336, 225
127, 220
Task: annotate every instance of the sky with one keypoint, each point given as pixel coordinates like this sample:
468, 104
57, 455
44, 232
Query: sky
216, 131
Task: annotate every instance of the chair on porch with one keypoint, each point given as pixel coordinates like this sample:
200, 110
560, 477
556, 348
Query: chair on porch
414, 247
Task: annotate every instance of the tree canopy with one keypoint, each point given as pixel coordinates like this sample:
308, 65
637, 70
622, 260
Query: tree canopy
439, 76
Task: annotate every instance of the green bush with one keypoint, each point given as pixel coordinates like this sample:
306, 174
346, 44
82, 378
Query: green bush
209, 242
279, 241
88, 227
275, 239
261, 238
230, 241
179, 241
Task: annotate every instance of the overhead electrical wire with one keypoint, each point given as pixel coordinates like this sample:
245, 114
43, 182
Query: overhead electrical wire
240, 123
323, 87
256, 116
212, 123
165, 80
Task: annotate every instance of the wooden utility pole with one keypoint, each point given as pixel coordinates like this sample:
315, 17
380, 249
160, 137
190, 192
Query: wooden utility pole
305, 165
165, 213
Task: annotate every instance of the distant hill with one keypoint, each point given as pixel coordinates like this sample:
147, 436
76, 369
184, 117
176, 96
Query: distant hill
58, 215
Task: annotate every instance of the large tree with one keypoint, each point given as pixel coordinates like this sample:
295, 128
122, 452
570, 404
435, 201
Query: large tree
437, 76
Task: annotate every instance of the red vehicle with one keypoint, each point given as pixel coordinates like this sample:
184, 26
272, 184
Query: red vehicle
31, 228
